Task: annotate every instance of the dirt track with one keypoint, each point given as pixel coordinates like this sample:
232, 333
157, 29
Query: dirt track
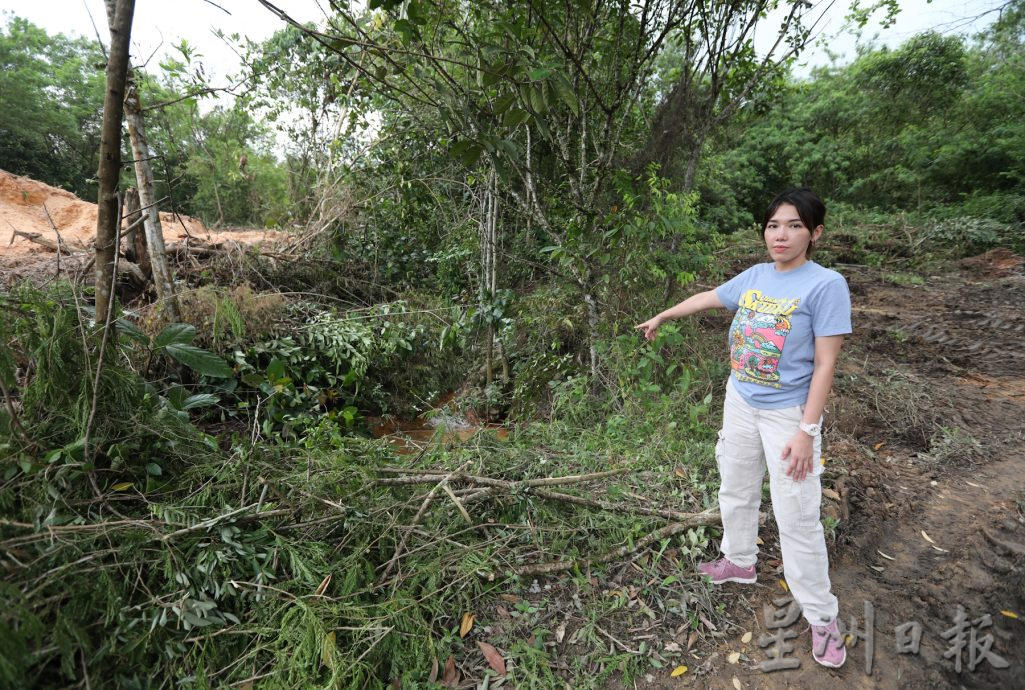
926, 438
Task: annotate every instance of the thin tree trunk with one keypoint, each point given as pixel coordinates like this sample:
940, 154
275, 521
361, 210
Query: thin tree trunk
119, 15
487, 246
592, 332
132, 216
147, 197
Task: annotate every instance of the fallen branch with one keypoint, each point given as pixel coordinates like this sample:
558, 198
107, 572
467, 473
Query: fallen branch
416, 519
420, 477
707, 517
532, 486
38, 238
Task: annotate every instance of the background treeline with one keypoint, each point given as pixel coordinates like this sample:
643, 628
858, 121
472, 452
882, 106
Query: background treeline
934, 125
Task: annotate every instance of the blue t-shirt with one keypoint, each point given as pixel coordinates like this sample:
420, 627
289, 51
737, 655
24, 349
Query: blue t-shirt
778, 316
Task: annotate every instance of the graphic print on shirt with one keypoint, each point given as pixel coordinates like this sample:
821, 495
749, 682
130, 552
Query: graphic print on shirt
757, 336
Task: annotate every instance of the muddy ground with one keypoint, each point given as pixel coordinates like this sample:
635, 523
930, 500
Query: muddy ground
926, 459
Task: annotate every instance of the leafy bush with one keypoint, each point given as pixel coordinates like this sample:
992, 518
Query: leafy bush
338, 363
966, 236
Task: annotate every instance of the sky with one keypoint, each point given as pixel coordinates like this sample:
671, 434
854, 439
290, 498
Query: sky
160, 24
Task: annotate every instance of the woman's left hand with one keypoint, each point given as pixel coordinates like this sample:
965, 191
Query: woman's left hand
799, 450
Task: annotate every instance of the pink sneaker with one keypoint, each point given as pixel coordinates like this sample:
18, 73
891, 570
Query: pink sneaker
725, 570
827, 645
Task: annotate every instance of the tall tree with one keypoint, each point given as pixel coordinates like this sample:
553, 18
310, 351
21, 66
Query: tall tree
119, 20
148, 201
548, 96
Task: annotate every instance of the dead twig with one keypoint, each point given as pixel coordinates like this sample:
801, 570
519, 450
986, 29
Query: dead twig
459, 506
532, 486
416, 519
542, 481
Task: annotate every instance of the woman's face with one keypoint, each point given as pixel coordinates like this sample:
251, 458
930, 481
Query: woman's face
787, 238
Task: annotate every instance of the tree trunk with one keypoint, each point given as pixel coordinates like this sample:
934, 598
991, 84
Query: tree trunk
120, 25
592, 333
147, 197
132, 216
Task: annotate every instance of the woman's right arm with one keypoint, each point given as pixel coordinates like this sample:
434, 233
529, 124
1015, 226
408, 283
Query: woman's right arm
693, 304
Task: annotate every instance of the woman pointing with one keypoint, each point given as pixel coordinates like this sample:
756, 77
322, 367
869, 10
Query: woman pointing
791, 318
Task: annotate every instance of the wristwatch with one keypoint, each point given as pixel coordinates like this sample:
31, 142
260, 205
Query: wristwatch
812, 430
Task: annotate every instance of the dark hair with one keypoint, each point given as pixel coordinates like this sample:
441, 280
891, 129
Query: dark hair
809, 207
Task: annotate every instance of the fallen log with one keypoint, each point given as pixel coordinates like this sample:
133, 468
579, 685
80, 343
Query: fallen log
37, 238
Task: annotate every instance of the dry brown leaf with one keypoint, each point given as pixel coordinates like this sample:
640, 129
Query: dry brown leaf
692, 638
466, 624
879, 445
746, 638
560, 632
736, 683
493, 656
758, 540
323, 586
511, 598
680, 472
733, 658
708, 623
434, 671
451, 677
829, 493
889, 558
502, 612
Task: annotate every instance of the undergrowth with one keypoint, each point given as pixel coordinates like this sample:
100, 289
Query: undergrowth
163, 556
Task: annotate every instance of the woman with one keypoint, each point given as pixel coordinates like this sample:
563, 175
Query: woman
791, 317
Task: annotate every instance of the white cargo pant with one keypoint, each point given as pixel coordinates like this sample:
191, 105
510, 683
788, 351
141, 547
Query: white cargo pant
750, 439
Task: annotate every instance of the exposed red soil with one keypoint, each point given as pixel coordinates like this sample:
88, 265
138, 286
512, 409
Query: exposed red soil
25, 203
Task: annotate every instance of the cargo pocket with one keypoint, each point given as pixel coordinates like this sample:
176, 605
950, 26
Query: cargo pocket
720, 449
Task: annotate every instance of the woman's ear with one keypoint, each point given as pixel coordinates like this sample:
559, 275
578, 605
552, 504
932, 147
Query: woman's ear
817, 233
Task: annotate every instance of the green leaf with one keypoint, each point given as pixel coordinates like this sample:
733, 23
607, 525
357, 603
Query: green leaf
415, 12
275, 370
564, 89
176, 334
131, 330
203, 361
405, 29
514, 118
199, 400
537, 100
471, 154
503, 102
154, 469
